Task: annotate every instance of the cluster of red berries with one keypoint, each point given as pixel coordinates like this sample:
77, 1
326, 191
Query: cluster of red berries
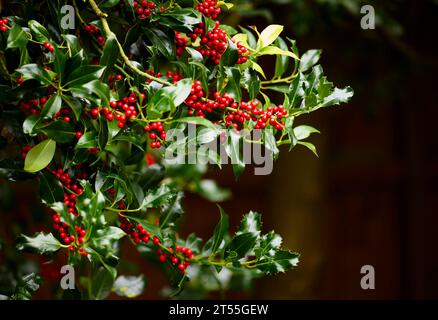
121, 110
209, 8
4, 24
67, 238
33, 106
144, 9
213, 43
242, 52
64, 114
48, 46
180, 43
137, 233
174, 76
198, 105
182, 263
250, 111
24, 151
95, 32
70, 199
156, 133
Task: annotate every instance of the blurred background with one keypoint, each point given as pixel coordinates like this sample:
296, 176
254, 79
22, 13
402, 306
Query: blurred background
369, 199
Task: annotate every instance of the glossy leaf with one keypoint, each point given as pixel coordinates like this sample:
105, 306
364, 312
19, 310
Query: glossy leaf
40, 156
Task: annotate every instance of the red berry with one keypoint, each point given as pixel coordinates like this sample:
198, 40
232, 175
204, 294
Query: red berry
182, 267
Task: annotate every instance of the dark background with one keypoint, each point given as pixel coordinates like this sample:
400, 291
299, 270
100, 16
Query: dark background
371, 196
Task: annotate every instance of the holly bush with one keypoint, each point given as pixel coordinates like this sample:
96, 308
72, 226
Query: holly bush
87, 111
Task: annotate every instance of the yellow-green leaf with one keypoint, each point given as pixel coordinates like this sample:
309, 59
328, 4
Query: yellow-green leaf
269, 35
40, 156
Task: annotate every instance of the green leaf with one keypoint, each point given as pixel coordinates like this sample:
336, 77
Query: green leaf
109, 3
60, 131
233, 85
251, 223
270, 142
198, 121
106, 236
171, 211
233, 150
40, 243
230, 55
268, 245
52, 106
281, 62
51, 190
26, 286
251, 82
84, 74
72, 43
30, 123
195, 54
182, 91
40, 156
129, 286
219, 232
255, 66
110, 52
161, 41
269, 35
210, 190
101, 283
109, 262
157, 197
183, 20
309, 59
17, 38
74, 104
280, 262
59, 61
271, 50
338, 96
251, 40
90, 204
303, 132
309, 146
39, 32
88, 140
33, 71
240, 245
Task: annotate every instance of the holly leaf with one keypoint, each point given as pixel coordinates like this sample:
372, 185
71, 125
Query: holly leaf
129, 286
52, 106
219, 232
240, 245
251, 223
110, 52
172, 210
51, 190
157, 197
309, 59
40, 243
280, 262
60, 131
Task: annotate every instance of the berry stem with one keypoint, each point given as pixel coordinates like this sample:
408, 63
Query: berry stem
108, 33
